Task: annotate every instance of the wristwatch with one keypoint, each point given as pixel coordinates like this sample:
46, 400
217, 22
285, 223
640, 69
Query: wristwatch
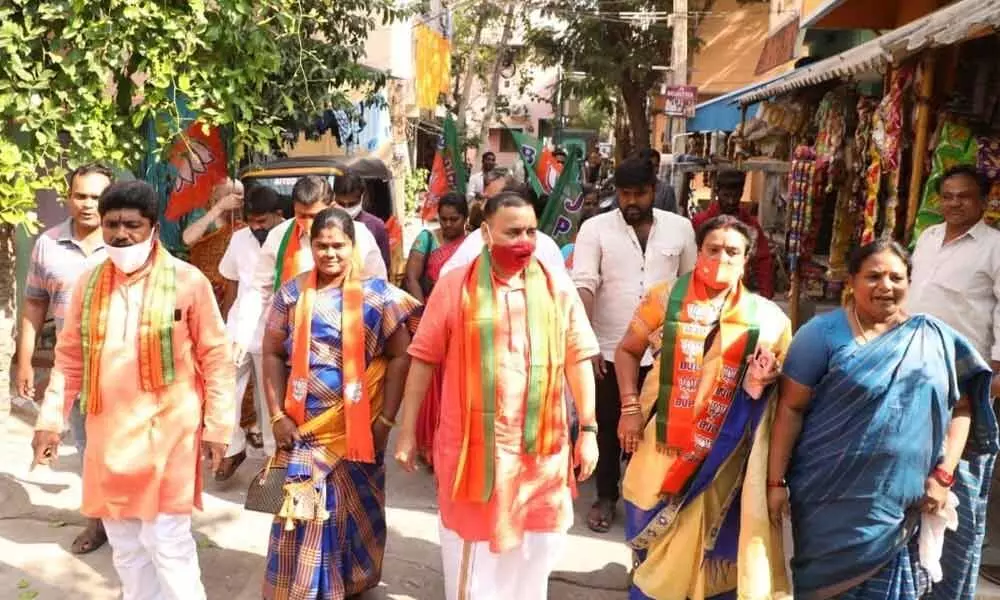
589, 428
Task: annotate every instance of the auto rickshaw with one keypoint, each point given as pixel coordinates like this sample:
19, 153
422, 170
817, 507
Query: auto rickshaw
281, 174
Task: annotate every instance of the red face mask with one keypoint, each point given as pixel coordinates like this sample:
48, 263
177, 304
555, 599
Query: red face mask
512, 258
715, 274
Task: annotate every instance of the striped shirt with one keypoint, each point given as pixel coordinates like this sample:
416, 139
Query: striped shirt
57, 261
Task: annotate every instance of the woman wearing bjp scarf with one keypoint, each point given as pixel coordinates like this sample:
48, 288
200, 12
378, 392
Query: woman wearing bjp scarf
334, 365
695, 488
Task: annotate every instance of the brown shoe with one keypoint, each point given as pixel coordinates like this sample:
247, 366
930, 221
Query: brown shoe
229, 466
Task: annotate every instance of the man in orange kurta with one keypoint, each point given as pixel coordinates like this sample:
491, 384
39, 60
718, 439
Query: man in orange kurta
504, 546
148, 413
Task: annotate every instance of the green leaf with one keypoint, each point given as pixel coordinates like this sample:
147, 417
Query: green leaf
23, 584
21, 72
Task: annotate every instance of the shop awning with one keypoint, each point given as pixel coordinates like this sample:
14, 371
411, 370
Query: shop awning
816, 10
723, 113
944, 27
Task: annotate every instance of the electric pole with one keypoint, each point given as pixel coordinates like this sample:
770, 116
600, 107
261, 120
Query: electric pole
679, 60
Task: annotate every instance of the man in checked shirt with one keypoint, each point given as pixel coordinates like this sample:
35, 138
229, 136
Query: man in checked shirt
60, 256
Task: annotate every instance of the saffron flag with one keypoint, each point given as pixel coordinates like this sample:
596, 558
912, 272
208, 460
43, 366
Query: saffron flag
561, 218
448, 171
432, 54
540, 164
199, 160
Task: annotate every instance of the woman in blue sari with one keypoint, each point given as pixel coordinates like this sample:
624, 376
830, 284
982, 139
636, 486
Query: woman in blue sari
876, 408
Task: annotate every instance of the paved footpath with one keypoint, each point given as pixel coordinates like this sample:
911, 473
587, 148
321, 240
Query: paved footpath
38, 522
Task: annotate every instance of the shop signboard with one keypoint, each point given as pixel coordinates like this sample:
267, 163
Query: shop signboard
779, 47
680, 101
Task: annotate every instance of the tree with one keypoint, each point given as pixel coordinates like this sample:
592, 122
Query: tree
469, 55
612, 52
482, 53
494, 87
79, 78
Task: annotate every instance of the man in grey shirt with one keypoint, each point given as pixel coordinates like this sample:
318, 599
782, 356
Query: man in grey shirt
663, 196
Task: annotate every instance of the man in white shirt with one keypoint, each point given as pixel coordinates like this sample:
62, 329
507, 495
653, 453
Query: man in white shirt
618, 256
956, 266
956, 278
477, 182
238, 264
310, 196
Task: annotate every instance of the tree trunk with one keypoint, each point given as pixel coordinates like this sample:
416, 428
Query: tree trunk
8, 313
491, 98
623, 137
470, 74
634, 97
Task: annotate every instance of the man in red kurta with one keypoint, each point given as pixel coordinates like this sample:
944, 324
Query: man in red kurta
728, 194
145, 348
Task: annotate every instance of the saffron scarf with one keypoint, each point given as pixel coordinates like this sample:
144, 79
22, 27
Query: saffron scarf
544, 419
354, 394
686, 327
293, 257
156, 327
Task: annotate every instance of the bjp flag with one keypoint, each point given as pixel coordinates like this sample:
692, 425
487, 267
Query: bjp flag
447, 172
540, 163
198, 158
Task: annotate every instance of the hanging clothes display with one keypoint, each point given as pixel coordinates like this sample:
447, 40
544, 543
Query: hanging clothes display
834, 118
804, 182
956, 145
861, 161
887, 137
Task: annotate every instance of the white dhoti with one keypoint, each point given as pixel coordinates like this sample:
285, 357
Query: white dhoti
252, 363
472, 572
156, 560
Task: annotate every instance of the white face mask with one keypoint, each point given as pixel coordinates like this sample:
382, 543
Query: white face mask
354, 211
130, 259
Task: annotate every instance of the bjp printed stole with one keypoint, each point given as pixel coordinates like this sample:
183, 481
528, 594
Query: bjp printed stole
544, 409
293, 256
687, 326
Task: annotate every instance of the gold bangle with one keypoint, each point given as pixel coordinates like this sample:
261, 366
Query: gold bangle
277, 417
386, 421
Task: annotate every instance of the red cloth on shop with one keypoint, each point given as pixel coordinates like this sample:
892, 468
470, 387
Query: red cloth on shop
761, 263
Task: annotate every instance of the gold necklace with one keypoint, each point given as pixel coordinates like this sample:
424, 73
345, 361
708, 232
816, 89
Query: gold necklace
857, 319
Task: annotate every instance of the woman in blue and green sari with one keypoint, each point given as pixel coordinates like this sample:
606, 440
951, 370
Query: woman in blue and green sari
875, 411
334, 366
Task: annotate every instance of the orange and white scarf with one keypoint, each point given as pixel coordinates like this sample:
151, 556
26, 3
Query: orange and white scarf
354, 394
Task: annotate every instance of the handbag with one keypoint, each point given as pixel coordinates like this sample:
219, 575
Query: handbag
266, 493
